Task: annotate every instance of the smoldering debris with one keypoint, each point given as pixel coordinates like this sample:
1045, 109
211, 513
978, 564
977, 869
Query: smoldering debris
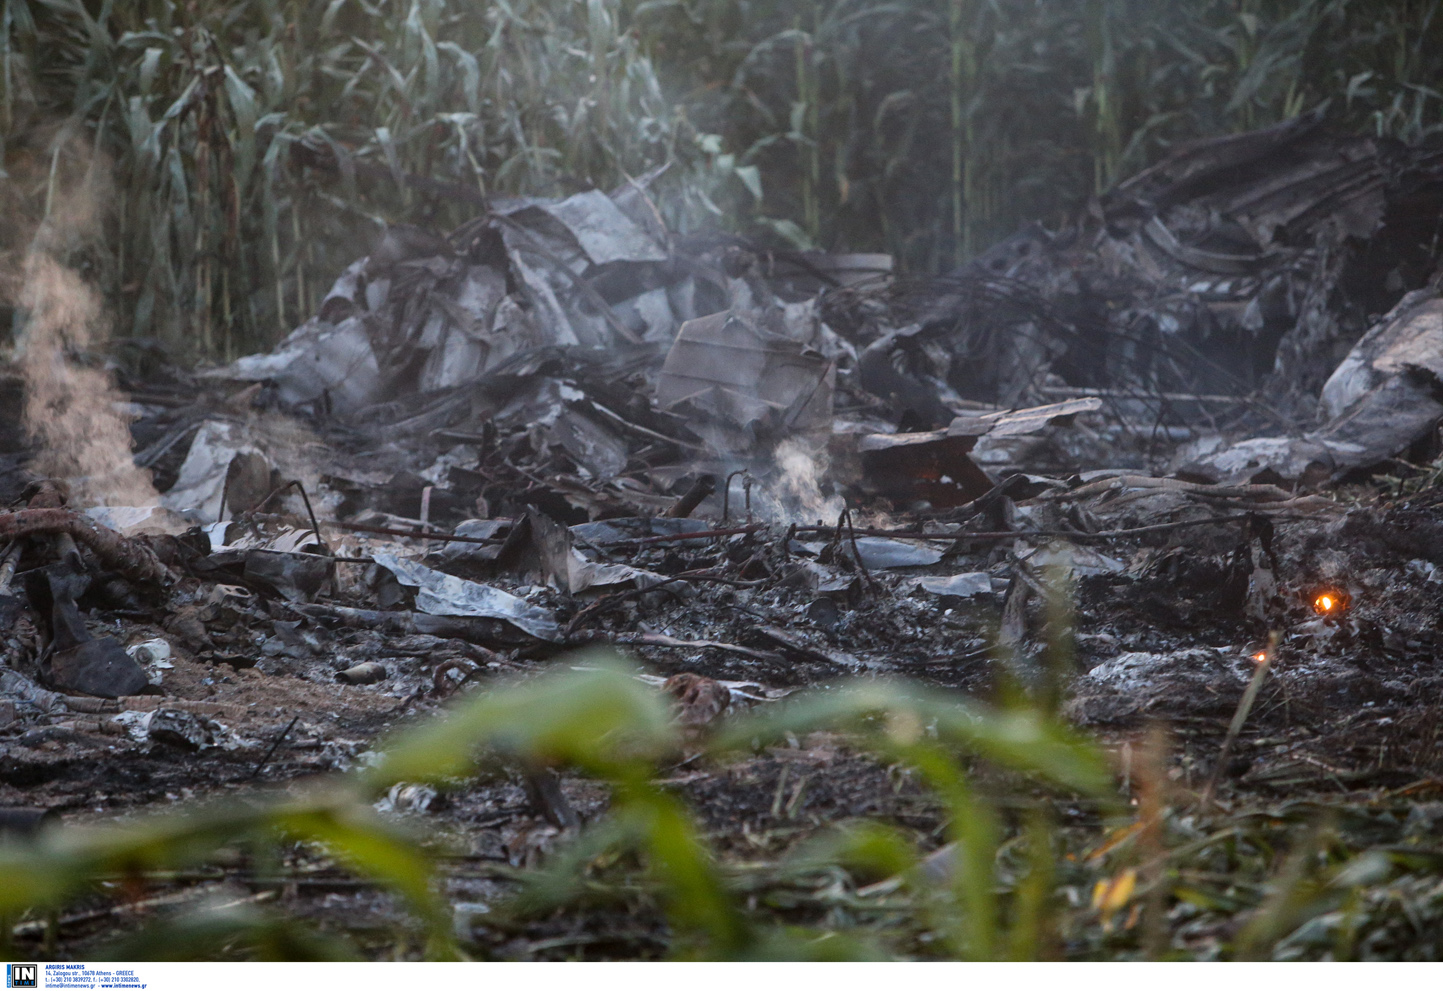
559, 427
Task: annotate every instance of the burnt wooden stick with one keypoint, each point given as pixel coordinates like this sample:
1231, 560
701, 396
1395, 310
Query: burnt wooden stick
1073, 535
130, 558
677, 538
687, 504
390, 530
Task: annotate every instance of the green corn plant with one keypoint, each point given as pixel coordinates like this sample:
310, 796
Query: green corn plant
220, 238
224, 239
963, 31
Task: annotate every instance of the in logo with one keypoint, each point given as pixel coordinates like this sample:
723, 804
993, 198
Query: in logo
22, 975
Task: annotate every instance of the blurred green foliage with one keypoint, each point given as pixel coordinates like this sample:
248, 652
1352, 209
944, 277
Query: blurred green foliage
1013, 881
605, 723
926, 128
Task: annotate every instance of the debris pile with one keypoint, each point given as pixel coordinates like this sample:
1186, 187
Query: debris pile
561, 426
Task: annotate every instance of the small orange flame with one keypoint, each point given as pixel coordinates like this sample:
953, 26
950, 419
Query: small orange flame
1260, 656
1325, 603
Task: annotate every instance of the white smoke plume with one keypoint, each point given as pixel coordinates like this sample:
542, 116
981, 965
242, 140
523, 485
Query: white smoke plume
72, 408
798, 488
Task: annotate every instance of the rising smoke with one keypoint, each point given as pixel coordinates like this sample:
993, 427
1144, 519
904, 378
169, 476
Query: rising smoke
72, 408
798, 487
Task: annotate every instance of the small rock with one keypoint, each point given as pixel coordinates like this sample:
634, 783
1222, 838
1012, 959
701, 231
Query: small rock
702, 699
824, 613
404, 797
96, 667
178, 728
187, 625
363, 674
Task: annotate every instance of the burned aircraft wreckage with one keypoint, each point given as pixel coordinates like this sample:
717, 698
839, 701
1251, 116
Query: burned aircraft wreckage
562, 425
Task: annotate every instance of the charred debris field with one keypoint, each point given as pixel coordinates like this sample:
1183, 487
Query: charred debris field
563, 588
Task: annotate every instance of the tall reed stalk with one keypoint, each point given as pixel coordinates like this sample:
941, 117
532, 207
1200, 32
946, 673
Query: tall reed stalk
823, 122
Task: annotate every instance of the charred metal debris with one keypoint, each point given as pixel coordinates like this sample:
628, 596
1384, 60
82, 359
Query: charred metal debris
562, 425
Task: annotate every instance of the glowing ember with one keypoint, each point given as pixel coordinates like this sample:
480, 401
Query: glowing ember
1325, 603
1260, 656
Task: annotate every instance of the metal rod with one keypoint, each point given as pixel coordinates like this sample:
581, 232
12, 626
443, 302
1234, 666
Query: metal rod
272, 751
